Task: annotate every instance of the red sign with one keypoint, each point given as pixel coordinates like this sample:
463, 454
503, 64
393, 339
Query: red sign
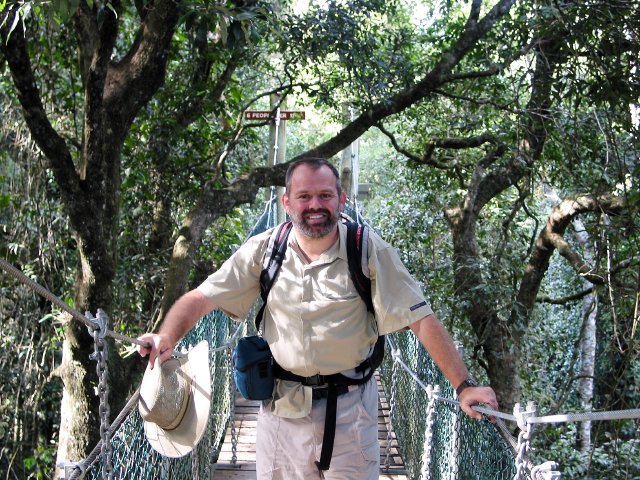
270, 115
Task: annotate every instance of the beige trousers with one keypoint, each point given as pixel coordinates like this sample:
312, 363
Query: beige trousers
287, 449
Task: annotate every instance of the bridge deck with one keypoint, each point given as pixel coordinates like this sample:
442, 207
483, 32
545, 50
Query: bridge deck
245, 465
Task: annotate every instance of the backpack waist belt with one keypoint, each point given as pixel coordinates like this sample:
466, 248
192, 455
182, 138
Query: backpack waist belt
336, 384
323, 380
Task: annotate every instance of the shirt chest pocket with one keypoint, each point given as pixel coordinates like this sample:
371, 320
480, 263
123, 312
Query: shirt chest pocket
332, 284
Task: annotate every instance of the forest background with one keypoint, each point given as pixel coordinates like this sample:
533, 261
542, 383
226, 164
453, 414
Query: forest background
500, 141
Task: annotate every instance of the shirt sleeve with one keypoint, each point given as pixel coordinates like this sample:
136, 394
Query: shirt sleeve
235, 287
397, 297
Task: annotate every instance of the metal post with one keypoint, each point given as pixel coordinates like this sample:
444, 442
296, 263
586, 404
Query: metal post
349, 161
346, 164
278, 144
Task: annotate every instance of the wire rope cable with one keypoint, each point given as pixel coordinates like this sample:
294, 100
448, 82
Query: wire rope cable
91, 324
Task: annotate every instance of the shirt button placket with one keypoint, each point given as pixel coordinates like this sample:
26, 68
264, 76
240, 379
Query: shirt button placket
307, 285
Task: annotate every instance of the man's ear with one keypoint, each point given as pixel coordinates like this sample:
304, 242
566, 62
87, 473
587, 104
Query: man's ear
285, 202
343, 200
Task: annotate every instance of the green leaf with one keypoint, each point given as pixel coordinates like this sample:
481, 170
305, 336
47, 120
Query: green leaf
5, 200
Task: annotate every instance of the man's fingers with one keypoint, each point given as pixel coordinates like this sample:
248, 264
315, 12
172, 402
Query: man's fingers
152, 359
155, 347
478, 396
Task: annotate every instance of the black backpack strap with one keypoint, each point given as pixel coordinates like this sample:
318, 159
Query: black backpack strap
328, 438
275, 252
358, 257
329, 434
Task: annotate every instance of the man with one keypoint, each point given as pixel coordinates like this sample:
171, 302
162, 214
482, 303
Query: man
316, 323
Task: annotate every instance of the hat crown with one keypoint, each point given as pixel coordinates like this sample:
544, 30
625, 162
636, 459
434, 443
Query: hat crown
174, 401
164, 395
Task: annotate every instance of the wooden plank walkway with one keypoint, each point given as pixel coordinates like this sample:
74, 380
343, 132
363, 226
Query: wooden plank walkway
246, 420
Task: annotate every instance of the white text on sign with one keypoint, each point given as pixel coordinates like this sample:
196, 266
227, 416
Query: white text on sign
269, 115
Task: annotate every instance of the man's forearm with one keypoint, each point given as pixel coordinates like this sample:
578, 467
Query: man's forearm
435, 338
440, 346
184, 314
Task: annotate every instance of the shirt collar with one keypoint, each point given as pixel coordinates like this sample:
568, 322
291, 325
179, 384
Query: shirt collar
337, 250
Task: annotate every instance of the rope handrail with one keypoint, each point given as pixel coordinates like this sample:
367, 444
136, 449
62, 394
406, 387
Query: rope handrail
588, 416
39, 289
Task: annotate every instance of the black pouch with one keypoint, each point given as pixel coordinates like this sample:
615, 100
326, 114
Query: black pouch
253, 371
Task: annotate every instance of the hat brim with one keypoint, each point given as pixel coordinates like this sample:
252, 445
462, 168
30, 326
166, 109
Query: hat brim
181, 440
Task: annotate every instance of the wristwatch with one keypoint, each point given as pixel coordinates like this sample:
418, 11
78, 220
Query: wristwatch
469, 382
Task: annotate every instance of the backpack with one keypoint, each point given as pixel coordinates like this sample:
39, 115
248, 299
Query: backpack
357, 255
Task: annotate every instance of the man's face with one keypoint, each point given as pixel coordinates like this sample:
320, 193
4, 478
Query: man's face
313, 202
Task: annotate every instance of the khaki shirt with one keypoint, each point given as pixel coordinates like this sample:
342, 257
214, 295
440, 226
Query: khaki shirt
315, 321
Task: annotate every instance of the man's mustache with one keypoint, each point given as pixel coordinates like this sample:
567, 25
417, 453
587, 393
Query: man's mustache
312, 211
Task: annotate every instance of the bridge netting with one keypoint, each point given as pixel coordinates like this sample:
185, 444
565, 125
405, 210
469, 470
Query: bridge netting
436, 439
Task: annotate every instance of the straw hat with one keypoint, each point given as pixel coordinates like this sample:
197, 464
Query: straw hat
174, 401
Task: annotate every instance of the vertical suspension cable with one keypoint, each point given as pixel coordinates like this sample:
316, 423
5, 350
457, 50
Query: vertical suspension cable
432, 392
392, 405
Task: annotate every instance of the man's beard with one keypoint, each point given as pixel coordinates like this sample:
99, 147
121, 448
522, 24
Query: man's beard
317, 230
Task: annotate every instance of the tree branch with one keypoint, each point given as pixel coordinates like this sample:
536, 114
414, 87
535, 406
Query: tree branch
475, 101
14, 48
472, 32
574, 259
447, 143
489, 72
564, 300
424, 160
550, 238
135, 79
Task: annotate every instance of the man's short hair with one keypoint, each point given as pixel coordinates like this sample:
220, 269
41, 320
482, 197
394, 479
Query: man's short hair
315, 163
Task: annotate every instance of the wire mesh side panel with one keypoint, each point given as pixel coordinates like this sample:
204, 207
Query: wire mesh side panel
485, 454
460, 447
132, 455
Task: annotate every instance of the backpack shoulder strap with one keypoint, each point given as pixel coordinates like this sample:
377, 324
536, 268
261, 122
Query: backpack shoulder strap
358, 255
272, 263
358, 258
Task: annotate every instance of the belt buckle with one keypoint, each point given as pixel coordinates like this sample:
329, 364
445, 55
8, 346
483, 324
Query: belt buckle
314, 381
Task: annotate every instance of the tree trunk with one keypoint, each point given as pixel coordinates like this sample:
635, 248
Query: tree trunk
498, 346
113, 94
213, 203
587, 343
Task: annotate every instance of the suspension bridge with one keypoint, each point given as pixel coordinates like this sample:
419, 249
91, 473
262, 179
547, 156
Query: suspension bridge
422, 431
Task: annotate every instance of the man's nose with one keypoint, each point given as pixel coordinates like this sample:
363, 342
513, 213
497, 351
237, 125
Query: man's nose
315, 202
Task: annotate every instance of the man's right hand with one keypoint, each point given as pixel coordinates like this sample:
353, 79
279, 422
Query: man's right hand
156, 346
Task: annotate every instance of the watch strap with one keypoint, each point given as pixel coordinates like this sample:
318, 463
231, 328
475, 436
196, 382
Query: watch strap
469, 382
